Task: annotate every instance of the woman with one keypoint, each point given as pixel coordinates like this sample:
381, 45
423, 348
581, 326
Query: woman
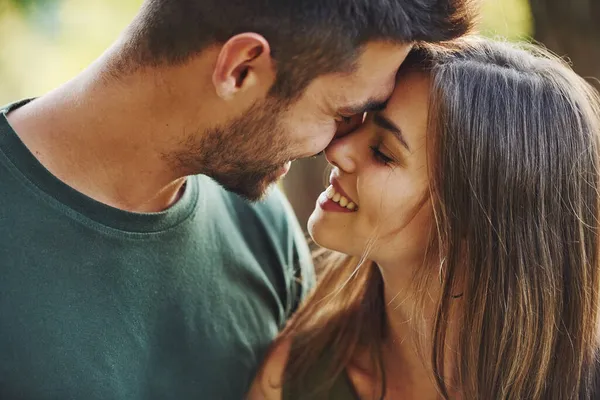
469, 212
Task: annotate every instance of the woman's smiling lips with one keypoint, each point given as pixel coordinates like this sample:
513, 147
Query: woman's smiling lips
334, 199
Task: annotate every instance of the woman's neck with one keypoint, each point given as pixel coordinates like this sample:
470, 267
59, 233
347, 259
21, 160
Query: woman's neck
411, 306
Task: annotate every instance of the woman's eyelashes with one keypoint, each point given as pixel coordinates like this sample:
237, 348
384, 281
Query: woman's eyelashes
379, 156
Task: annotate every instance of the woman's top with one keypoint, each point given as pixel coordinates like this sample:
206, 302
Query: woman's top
343, 389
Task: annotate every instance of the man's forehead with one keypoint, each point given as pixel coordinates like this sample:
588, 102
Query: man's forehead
379, 60
374, 77
353, 98
368, 85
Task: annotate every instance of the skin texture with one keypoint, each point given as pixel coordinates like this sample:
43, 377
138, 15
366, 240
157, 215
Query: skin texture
130, 141
388, 181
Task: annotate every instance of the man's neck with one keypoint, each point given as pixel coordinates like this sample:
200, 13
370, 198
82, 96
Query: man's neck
107, 142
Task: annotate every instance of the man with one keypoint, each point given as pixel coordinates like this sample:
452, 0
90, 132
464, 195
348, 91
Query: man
128, 272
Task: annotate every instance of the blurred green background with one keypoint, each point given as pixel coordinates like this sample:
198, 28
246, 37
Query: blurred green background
46, 42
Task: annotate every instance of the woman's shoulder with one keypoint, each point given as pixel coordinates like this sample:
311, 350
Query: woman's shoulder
268, 383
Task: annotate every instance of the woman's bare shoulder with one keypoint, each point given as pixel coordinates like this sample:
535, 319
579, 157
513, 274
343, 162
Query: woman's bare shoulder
268, 383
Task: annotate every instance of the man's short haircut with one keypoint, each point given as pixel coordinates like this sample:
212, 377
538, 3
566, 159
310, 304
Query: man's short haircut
308, 38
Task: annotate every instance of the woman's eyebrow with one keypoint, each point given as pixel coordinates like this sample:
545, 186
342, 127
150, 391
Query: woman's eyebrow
388, 125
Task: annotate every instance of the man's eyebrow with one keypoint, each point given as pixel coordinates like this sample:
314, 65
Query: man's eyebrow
388, 125
370, 106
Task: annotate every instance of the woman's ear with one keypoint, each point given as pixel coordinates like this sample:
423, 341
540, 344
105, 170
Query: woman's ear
243, 64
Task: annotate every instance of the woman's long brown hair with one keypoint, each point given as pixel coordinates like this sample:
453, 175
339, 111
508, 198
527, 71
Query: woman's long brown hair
515, 179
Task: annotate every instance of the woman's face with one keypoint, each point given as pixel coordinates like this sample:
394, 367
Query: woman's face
379, 182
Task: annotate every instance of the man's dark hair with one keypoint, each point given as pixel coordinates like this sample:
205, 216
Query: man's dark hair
308, 38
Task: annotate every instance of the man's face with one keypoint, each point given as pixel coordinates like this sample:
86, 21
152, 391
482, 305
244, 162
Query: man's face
254, 150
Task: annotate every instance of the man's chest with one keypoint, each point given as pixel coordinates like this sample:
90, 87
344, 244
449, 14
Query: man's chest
136, 325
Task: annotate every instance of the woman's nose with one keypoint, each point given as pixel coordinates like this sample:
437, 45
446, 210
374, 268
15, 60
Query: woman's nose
341, 153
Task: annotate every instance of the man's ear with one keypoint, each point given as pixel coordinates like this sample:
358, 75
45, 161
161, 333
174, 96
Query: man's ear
244, 63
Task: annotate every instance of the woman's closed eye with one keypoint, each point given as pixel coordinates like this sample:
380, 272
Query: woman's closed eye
379, 156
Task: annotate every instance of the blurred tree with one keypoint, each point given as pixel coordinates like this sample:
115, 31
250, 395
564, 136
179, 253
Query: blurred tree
24, 5
570, 29
47, 42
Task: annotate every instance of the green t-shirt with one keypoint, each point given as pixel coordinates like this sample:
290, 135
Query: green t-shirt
99, 303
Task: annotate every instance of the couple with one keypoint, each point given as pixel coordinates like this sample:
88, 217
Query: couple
466, 201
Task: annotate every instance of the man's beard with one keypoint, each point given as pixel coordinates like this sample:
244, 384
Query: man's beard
245, 155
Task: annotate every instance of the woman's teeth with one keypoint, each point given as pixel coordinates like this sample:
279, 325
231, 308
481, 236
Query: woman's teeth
338, 198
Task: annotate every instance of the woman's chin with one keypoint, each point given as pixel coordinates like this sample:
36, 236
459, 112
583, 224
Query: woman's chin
310, 225
326, 235
318, 229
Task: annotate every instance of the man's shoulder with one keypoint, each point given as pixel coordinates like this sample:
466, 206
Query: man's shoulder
270, 228
275, 210
272, 210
